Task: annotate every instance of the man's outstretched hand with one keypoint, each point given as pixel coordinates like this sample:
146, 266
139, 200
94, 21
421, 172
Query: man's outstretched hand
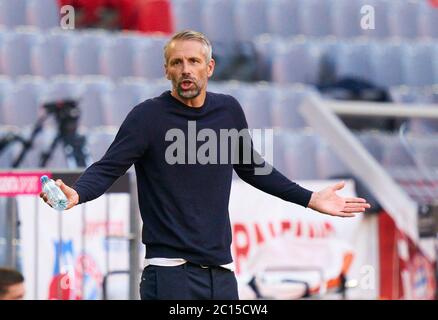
328, 202
70, 193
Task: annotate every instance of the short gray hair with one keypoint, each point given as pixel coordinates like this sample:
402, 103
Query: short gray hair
190, 35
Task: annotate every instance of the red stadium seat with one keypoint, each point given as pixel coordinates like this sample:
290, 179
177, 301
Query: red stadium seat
89, 7
155, 16
434, 3
128, 12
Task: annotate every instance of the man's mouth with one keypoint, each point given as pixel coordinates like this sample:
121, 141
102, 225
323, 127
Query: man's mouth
186, 84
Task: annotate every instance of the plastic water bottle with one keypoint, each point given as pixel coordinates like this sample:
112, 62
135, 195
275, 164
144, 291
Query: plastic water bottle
56, 197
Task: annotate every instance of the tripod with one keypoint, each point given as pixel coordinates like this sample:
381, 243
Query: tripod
74, 149
74, 145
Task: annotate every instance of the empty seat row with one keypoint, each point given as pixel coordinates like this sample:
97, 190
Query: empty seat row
242, 20
284, 60
229, 20
44, 14
28, 51
105, 102
315, 60
101, 101
302, 154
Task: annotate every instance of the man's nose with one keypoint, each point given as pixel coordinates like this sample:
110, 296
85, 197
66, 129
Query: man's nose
186, 68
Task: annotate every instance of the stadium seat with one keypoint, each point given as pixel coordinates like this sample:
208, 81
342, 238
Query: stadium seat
117, 56
256, 103
329, 49
428, 23
389, 64
300, 165
250, 19
139, 87
83, 53
426, 96
15, 51
328, 163
187, 14
405, 94
155, 16
285, 106
3, 35
48, 55
426, 150
237, 89
403, 18
315, 18
296, 61
43, 14
371, 140
149, 58
218, 20
395, 153
6, 85
99, 140
22, 105
91, 102
12, 13
265, 45
64, 88
283, 17
346, 18
157, 87
355, 60
118, 102
421, 67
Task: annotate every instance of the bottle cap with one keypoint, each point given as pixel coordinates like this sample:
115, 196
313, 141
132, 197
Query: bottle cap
44, 179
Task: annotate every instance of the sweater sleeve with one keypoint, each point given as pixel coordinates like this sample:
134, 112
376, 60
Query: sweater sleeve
259, 173
128, 146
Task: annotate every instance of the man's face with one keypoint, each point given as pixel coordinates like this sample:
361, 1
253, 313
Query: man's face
15, 292
187, 67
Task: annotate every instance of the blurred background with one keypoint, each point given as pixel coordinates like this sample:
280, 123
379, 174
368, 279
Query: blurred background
70, 71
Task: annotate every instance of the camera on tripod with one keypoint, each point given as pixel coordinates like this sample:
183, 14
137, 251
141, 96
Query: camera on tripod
66, 113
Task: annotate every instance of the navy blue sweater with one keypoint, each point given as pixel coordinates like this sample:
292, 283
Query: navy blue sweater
184, 206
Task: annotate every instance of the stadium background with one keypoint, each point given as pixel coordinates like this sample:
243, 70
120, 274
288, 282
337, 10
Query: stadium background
105, 56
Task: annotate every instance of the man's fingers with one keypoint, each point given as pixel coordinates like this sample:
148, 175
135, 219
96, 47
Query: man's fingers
357, 206
353, 210
345, 214
355, 200
43, 196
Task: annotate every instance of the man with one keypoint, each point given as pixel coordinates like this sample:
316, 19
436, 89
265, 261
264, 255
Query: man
11, 284
183, 200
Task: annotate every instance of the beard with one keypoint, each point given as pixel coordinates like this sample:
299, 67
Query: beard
191, 93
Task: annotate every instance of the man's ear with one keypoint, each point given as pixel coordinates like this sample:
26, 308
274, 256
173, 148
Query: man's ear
210, 67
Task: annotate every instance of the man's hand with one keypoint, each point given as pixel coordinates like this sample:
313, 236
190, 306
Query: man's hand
70, 193
328, 202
